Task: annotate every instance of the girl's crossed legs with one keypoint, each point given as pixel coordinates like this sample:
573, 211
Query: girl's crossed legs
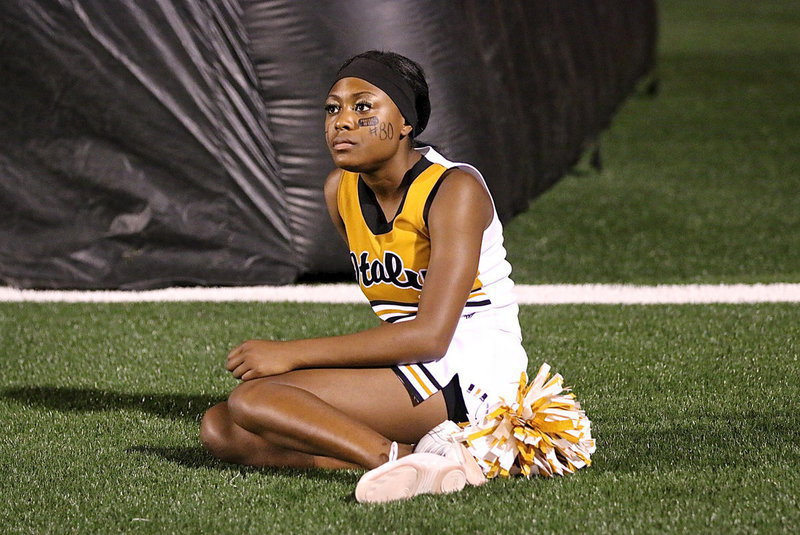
325, 417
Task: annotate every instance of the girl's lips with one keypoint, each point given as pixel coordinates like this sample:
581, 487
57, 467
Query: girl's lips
342, 144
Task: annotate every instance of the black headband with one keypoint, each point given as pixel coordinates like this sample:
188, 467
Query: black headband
387, 80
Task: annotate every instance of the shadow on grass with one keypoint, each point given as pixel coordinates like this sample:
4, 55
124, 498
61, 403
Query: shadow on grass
196, 457
73, 399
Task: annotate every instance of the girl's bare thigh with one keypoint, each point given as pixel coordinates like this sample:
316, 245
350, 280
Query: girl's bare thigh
373, 396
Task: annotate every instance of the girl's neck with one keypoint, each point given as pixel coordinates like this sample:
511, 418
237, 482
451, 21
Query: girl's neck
387, 180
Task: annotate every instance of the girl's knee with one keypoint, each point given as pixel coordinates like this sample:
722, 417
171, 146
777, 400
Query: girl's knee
226, 441
215, 430
249, 399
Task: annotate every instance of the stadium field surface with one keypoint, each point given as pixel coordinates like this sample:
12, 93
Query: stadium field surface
694, 406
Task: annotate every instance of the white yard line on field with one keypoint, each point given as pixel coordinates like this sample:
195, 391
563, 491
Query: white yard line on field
550, 294
537, 294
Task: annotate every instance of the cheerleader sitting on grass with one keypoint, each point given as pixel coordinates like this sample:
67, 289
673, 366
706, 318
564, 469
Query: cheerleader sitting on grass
427, 249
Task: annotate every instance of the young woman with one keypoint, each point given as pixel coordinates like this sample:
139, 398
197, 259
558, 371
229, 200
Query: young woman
426, 247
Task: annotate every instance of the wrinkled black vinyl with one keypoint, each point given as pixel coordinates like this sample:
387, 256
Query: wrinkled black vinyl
145, 144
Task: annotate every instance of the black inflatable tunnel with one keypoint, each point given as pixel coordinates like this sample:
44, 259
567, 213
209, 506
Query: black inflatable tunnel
145, 144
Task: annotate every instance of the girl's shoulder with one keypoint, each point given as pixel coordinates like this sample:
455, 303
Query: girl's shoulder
333, 178
435, 156
331, 194
331, 187
461, 194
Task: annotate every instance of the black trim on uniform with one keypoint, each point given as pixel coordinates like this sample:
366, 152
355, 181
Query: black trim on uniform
453, 397
377, 302
454, 401
415, 398
431, 195
370, 209
431, 378
478, 303
396, 318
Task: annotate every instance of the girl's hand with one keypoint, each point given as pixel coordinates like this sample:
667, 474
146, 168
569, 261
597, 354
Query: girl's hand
259, 358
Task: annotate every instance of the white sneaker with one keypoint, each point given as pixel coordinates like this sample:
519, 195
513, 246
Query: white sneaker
409, 476
439, 441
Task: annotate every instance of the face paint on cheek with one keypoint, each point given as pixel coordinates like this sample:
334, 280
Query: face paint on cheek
368, 121
383, 131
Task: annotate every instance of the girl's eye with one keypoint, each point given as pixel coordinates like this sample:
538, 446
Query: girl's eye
362, 106
330, 109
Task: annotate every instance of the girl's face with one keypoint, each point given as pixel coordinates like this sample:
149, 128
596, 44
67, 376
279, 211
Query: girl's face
363, 126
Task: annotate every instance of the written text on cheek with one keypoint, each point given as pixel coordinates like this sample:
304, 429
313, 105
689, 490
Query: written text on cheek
382, 131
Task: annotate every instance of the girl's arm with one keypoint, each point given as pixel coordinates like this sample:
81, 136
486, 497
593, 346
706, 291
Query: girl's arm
459, 214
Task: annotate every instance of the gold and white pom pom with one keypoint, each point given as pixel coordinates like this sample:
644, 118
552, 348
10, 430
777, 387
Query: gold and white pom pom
543, 432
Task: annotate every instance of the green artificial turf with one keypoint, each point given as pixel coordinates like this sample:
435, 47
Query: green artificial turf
701, 183
694, 409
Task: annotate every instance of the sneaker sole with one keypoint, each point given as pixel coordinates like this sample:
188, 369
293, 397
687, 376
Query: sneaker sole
419, 473
472, 469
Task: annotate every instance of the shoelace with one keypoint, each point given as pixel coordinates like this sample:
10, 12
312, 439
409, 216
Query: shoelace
441, 442
393, 452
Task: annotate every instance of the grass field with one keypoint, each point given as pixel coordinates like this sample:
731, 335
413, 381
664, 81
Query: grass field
695, 408
701, 184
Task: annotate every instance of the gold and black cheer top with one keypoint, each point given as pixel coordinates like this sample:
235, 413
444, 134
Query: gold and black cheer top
390, 258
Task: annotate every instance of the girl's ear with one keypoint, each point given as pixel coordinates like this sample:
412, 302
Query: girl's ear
405, 130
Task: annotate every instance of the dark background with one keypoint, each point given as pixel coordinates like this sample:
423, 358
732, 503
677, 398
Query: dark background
147, 144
